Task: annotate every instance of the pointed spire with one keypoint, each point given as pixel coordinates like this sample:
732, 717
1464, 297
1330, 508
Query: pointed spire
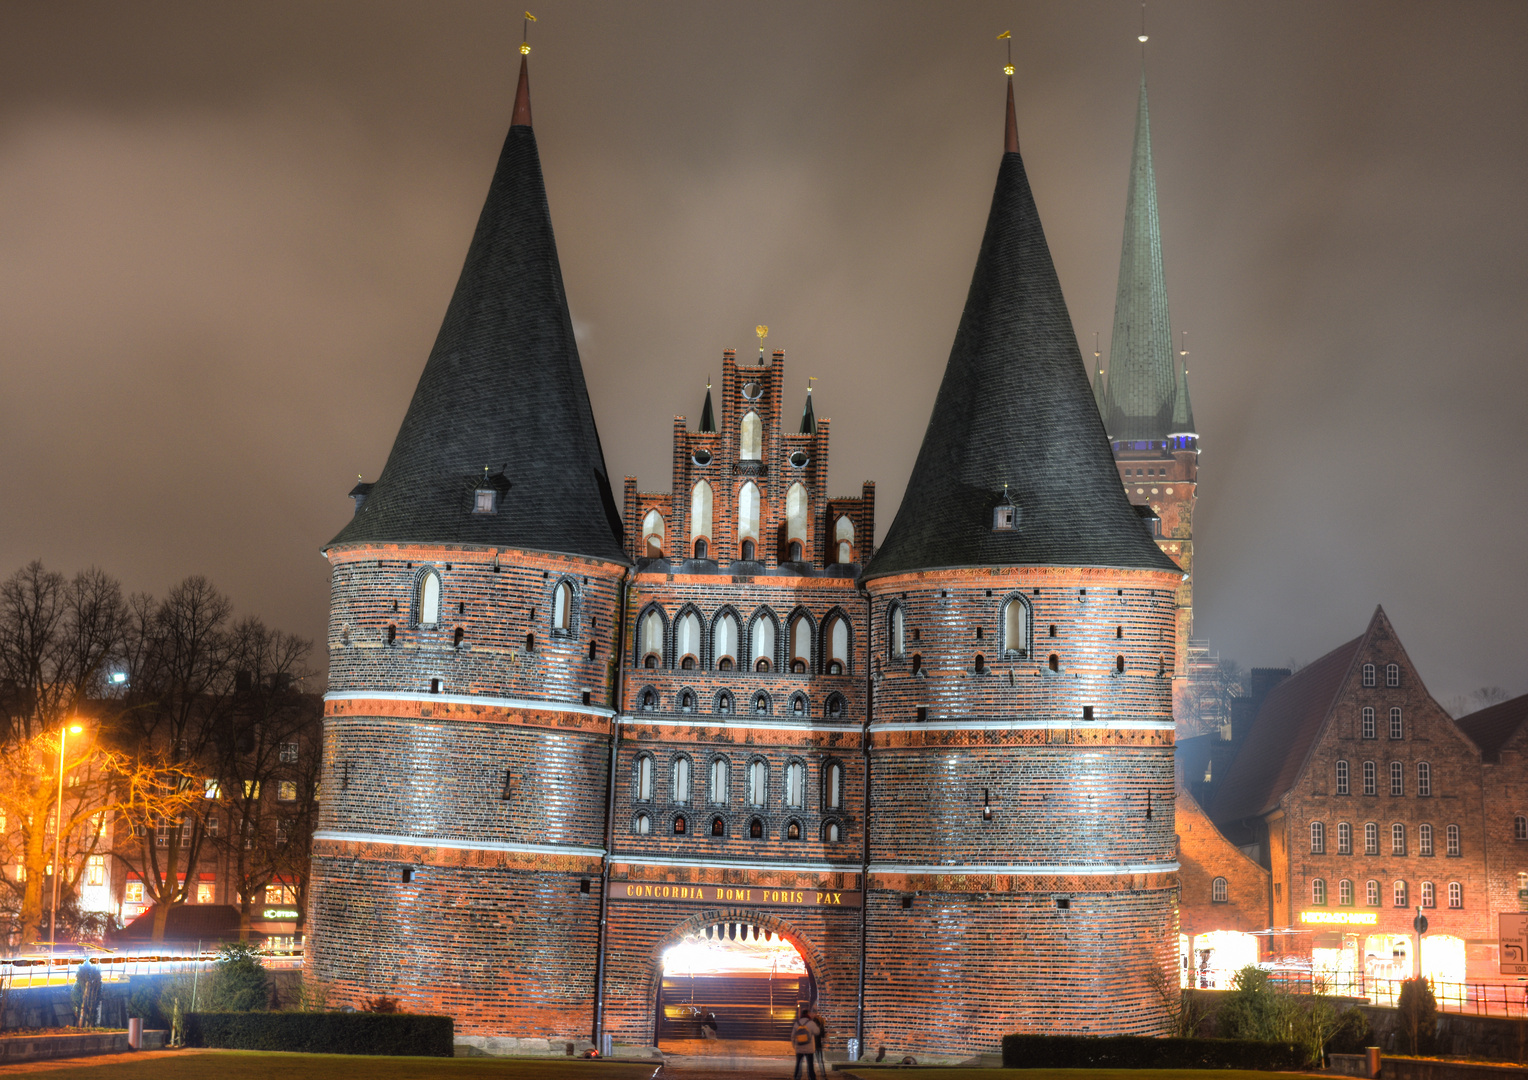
1098, 380
808, 418
1142, 374
1011, 128
522, 114
502, 384
707, 416
1183, 409
1015, 408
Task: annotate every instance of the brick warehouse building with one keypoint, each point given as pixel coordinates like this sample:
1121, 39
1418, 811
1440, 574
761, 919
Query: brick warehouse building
942, 770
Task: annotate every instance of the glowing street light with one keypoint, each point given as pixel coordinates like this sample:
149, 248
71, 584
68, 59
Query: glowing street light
58, 830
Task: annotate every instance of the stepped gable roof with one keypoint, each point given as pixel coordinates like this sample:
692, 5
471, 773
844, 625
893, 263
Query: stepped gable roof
502, 388
1015, 409
1142, 375
1491, 727
1287, 726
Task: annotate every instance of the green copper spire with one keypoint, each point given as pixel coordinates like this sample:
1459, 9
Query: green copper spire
1141, 369
1183, 408
1100, 396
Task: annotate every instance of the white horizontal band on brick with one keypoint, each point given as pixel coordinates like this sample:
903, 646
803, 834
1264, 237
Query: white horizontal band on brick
1033, 868
455, 845
473, 699
705, 864
1021, 725
708, 720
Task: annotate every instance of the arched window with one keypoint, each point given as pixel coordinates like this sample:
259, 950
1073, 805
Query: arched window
427, 598
761, 703
1429, 897
793, 553
833, 787
798, 705
1317, 838
724, 643
1344, 838
843, 536
747, 553
686, 701
1396, 729
1342, 778
719, 783
650, 643
718, 827
917, 663
748, 512
793, 830
724, 703
762, 637
979, 664
1345, 893
1016, 628
649, 700
1318, 892
1392, 675
837, 641
1424, 839
758, 782
687, 640
681, 780
1054, 662
1455, 895
750, 431
755, 829
679, 825
801, 645
835, 705
1520, 828
644, 778
1371, 839
1119, 665
652, 535
1368, 722
1398, 839
562, 606
898, 629
1369, 675
642, 825
1219, 894
797, 506
1371, 893
1397, 778
831, 833
1451, 839
795, 784
1424, 779
1371, 781
700, 515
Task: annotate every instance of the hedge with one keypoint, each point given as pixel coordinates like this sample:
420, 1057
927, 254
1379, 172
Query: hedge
1137, 1052
324, 1032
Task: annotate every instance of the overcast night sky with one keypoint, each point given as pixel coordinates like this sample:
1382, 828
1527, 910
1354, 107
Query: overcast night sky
228, 234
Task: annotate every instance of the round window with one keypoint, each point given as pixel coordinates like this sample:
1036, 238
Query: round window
702, 457
753, 390
799, 459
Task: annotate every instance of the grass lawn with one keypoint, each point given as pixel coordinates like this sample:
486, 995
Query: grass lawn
871, 1073
247, 1065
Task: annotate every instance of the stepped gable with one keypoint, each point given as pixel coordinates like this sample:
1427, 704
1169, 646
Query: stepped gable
1491, 727
1015, 409
1142, 375
502, 388
1286, 728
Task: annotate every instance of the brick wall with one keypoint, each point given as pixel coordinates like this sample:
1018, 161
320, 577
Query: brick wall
1204, 855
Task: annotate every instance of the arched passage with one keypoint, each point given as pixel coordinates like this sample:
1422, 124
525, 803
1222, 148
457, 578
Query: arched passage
740, 971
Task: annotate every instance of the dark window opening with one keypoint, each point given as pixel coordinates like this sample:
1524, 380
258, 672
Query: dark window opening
650, 660
756, 829
725, 664
981, 663
979, 629
718, 827
917, 663
835, 706
679, 825
687, 664
1063, 902
922, 712
686, 702
700, 549
392, 634
408, 874
395, 606
461, 609
587, 697
530, 642
583, 885
1119, 632
907, 903
507, 792
1055, 662
1053, 630
593, 648
798, 667
748, 551
1119, 664
798, 707
456, 638
1087, 712
649, 700
794, 554
434, 686
793, 831
762, 664
917, 634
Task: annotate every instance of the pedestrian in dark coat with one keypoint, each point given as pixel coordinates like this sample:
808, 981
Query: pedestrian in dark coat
822, 1040
805, 1033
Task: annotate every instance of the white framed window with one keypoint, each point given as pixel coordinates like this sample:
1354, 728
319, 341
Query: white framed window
1398, 894
1392, 675
95, 870
687, 641
724, 643
898, 630
801, 645
833, 787
1318, 838
1455, 895
1424, 839
795, 784
485, 501
562, 606
1520, 828
652, 535
1451, 839
832, 833
1371, 839
1397, 778
797, 507
837, 639
1424, 779
700, 513
1368, 722
133, 894
428, 598
644, 778
642, 825
750, 437
1397, 839
682, 780
1396, 729
1344, 838
1371, 786
1345, 893
719, 782
1429, 897
288, 757
1342, 778
1218, 891
1016, 627
286, 791
1318, 892
1371, 893
758, 783
1369, 679
650, 643
763, 641
843, 536
748, 512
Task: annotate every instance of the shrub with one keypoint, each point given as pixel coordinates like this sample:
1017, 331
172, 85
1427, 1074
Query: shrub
1353, 1033
1418, 1015
324, 1033
1140, 1052
238, 981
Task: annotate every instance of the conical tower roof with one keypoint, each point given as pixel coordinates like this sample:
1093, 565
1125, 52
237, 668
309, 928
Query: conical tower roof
707, 415
1183, 408
1141, 369
808, 417
502, 388
1015, 409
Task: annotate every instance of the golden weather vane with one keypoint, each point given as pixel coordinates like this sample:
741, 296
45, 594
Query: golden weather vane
763, 332
1007, 35
525, 34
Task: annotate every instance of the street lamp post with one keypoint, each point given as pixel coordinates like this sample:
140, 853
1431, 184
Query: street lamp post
58, 831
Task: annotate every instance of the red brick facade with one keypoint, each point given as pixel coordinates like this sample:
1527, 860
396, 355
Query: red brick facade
1243, 899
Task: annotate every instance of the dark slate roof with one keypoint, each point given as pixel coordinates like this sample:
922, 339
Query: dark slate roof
808, 418
1286, 727
1015, 408
186, 922
1490, 728
1142, 375
707, 415
502, 388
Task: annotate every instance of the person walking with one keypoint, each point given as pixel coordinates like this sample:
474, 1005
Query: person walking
805, 1033
822, 1040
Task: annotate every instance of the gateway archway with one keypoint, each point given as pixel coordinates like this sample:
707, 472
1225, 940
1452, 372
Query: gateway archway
731, 978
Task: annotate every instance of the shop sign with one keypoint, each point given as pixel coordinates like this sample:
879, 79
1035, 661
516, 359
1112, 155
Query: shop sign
279, 913
1345, 918
734, 894
1512, 951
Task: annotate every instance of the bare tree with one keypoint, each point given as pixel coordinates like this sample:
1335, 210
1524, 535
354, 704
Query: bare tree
1475, 700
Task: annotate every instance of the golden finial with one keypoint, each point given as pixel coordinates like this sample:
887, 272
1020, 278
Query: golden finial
525, 33
1007, 35
810, 380
763, 332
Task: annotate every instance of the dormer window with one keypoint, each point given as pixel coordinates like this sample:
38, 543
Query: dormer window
1003, 517
485, 501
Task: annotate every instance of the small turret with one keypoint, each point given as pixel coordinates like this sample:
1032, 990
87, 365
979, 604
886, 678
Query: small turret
707, 414
808, 418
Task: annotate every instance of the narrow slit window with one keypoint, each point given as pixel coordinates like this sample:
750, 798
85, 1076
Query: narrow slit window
429, 599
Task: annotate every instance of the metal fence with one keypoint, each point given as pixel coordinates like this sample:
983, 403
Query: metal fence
20, 972
1475, 998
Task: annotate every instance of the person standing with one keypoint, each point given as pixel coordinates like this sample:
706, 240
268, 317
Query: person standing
822, 1040
805, 1033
